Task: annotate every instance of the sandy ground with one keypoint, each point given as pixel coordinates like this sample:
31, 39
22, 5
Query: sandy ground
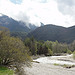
48, 69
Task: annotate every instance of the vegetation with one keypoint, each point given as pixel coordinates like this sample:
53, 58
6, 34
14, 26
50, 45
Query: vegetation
74, 54
32, 44
16, 52
48, 48
20, 35
69, 51
64, 65
52, 33
56, 64
13, 51
5, 71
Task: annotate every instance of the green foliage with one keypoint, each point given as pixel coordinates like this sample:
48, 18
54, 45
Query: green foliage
18, 34
52, 33
32, 44
67, 66
56, 47
50, 52
69, 51
46, 47
5, 71
56, 64
72, 46
74, 55
39, 48
12, 50
65, 50
64, 65
4, 32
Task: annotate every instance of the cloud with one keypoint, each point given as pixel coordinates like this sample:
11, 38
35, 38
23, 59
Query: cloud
35, 11
67, 7
40, 1
15, 11
67, 2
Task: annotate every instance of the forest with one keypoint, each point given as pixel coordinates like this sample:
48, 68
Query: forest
48, 48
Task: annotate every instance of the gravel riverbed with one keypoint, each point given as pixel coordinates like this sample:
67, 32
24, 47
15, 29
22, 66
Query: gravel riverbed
43, 66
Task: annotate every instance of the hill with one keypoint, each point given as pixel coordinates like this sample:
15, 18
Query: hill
53, 33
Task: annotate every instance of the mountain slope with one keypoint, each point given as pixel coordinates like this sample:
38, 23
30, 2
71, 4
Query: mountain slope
14, 25
53, 33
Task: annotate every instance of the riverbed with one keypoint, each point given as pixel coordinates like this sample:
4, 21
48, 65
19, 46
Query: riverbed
68, 60
45, 66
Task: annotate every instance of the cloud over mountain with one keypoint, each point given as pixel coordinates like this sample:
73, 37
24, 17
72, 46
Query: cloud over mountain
35, 11
67, 7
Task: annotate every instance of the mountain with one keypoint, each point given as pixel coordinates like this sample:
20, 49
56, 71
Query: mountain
41, 24
16, 26
53, 33
32, 26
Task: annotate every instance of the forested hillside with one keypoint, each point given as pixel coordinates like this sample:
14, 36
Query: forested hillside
53, 33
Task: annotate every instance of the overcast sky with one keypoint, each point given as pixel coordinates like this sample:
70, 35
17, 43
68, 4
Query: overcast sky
58, 12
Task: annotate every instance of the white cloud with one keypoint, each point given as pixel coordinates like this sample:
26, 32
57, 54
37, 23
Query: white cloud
67, 8
36, 11
0, 14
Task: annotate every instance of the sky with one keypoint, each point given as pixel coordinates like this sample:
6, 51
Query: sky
58, 12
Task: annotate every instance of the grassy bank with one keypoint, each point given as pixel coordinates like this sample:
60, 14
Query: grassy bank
5, 71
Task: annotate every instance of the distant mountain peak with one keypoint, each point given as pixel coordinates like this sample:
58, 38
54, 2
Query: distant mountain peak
42, 24
14, 25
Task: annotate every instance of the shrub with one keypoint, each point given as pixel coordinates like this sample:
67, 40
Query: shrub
69, 51
13, 50
74, 55
50, 52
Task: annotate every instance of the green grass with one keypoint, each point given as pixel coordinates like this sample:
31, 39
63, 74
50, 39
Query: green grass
56, 64
65, 65
68, 66
5, 71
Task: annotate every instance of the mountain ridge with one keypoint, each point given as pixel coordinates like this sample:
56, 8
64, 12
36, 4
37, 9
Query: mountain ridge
14, 25
52, 33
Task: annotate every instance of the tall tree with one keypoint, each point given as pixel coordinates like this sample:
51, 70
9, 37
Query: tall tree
32, 44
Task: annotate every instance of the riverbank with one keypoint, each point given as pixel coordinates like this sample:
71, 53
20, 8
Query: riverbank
48, 69
43, 66
68, 60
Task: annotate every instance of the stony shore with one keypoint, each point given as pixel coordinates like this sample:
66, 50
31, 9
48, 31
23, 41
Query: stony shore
39, 68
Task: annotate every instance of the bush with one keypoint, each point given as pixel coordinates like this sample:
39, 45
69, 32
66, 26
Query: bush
50, 52
13, 50
74, 55
69, 51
